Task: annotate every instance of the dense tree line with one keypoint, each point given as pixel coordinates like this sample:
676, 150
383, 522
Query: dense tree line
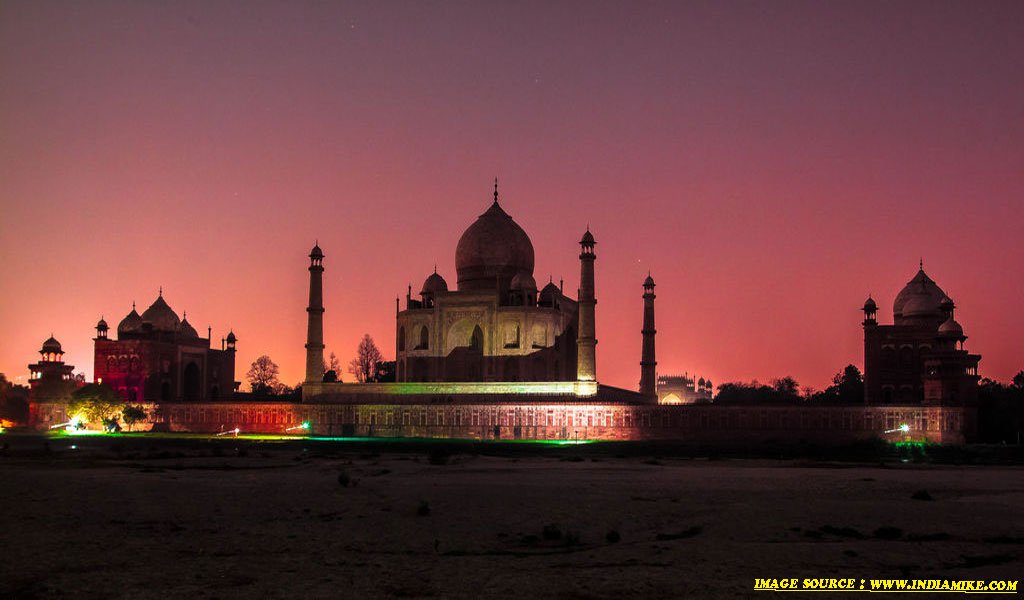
847, 388
1001, 410
13, 402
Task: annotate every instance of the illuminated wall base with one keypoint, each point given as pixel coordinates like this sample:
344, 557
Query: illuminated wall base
561, 421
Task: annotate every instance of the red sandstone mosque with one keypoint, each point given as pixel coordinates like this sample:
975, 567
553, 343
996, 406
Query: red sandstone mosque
920, 358
158, 357
496, 358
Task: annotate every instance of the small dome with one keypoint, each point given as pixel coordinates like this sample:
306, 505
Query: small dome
870, 305
316, 252
951, 329
523, 281
588, 238
700, 382
102, 325
550, 291
231, 339
51, 346
131, 322
160, 316
493, 248
187, 330
434, 284
649, 282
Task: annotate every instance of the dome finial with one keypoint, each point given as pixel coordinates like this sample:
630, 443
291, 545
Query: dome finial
435, 267
495, 190
920, 263
161, 293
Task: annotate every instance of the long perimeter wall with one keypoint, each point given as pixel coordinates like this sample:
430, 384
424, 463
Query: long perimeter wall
562, 421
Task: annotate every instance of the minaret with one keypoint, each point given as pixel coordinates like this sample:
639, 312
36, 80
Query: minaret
872, 353
315, 331
648, 372
586, 357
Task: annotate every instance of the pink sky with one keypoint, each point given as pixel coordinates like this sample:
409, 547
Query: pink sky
771, 163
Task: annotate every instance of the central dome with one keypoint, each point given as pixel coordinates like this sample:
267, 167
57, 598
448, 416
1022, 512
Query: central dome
492, 251
160, 315
921, 297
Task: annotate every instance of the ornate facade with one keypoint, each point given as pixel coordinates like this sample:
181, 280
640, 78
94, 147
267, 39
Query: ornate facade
158, 357
494, 339
495, 326
920, 358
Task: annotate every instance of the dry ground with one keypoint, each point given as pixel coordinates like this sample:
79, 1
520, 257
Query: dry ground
278, 524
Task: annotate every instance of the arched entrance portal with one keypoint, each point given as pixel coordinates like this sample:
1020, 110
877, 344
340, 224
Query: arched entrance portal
192, 384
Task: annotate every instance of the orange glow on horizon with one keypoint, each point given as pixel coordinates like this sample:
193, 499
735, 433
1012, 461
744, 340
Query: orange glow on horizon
770, 168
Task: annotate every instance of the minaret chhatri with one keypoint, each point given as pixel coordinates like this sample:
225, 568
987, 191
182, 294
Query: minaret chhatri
315, 331
648, 365
586, 357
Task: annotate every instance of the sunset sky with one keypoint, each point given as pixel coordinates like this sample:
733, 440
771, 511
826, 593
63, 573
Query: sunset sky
771, 163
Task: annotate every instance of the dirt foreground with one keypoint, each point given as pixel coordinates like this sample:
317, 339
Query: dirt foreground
281, 523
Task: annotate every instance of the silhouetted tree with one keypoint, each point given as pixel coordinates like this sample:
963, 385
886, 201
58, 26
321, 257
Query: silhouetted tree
787, 386
782, 391
13, 401
847, 388
332, 369
385, 371
95, 402
364, 365
262, 376
1001, 410
132, 415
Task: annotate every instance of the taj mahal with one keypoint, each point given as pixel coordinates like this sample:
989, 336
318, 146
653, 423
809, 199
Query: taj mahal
495, 337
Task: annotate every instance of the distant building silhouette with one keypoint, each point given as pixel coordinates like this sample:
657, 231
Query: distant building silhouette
920, 358
683, 389
50, 380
